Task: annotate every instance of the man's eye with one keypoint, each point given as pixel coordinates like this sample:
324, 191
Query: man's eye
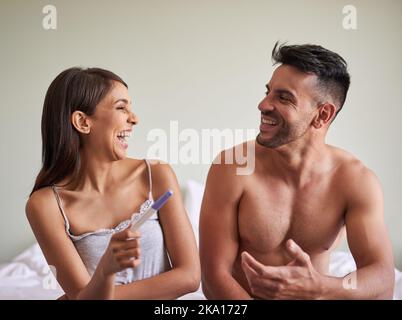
121, 108
282, 98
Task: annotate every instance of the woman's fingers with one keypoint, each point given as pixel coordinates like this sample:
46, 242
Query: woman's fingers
125, 249
133, 234
125, 239
130, 263
118, 246
127, 254
126, 234
129, 244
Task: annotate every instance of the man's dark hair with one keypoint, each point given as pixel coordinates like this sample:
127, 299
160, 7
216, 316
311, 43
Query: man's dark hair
329, 67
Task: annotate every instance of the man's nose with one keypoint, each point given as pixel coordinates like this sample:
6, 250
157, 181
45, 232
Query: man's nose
266, 105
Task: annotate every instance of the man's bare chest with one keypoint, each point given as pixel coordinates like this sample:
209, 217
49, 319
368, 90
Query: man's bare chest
269, 215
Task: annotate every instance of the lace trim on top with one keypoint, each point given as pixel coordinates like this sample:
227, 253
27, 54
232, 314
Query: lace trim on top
122, 225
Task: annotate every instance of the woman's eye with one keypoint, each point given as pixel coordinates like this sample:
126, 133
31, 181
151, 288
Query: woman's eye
121, 108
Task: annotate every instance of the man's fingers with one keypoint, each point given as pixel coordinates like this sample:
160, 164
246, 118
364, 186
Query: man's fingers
248, 270
260, 269
252, 263
296, 252
265, 288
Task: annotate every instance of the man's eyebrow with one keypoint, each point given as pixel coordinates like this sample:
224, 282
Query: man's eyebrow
285, 91
282, 91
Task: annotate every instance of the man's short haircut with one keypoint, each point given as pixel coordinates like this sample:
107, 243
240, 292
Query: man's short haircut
329, 67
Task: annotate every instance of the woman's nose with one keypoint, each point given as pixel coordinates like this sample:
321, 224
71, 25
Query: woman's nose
133, 119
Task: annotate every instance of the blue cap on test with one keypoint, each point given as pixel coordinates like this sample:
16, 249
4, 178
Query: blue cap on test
162, 200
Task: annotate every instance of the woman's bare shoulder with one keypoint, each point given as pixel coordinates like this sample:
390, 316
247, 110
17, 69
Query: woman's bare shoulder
161, 169
129, 168
39, 199
163, 176
42, 209
135, 170
139, 166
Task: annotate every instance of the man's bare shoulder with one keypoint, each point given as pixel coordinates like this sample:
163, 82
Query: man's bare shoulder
235, 157
353, 174
347, 164
225, 172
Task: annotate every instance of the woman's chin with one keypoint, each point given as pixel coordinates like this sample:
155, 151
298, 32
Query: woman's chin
119, 153
122, 155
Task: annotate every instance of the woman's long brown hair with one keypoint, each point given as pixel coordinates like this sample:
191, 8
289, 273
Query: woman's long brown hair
73, 89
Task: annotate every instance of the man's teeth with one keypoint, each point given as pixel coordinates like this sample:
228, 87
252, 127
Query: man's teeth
269, 121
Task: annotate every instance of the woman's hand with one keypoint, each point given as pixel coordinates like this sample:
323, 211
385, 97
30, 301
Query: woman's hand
123, 252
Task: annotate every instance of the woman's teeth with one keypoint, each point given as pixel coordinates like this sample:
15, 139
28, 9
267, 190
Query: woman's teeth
123, 135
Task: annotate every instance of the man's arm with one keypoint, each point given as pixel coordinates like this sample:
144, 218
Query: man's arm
368, 242
219, 238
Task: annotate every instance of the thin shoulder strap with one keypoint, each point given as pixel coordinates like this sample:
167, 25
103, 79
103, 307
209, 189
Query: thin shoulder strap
150, 179
58, 199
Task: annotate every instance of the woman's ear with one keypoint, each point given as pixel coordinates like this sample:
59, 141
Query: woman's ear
81, 122
326, 112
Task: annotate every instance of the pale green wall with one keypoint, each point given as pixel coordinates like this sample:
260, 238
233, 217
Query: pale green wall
203, 63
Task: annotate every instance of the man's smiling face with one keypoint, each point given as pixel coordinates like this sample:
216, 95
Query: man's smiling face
288, 107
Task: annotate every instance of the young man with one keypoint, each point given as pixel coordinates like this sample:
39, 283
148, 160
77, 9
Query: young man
269, 235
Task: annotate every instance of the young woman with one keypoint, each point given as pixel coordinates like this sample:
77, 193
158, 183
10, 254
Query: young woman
87, 192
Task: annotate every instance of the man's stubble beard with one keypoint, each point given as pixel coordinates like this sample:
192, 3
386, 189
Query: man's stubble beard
285, 135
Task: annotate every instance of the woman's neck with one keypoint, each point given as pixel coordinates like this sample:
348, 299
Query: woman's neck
94, 175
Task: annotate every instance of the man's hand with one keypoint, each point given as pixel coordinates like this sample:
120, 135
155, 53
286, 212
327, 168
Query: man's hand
297, 280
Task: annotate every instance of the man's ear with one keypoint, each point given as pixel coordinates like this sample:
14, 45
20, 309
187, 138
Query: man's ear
326, 112
81, 122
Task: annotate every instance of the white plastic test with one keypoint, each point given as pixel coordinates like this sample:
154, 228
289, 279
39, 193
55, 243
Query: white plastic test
142, 217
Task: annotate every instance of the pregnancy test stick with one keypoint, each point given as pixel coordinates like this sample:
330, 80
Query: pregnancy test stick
141, 218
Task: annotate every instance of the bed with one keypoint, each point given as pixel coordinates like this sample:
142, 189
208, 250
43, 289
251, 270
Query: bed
28, 276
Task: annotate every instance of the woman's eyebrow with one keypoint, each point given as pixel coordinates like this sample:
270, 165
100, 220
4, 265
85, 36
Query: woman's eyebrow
122, 100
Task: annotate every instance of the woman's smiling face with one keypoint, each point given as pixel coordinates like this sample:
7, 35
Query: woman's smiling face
112, 123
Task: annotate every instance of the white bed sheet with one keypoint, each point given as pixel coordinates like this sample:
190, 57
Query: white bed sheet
29, 277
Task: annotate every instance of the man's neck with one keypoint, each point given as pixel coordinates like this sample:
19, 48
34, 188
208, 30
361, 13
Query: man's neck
298, 162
